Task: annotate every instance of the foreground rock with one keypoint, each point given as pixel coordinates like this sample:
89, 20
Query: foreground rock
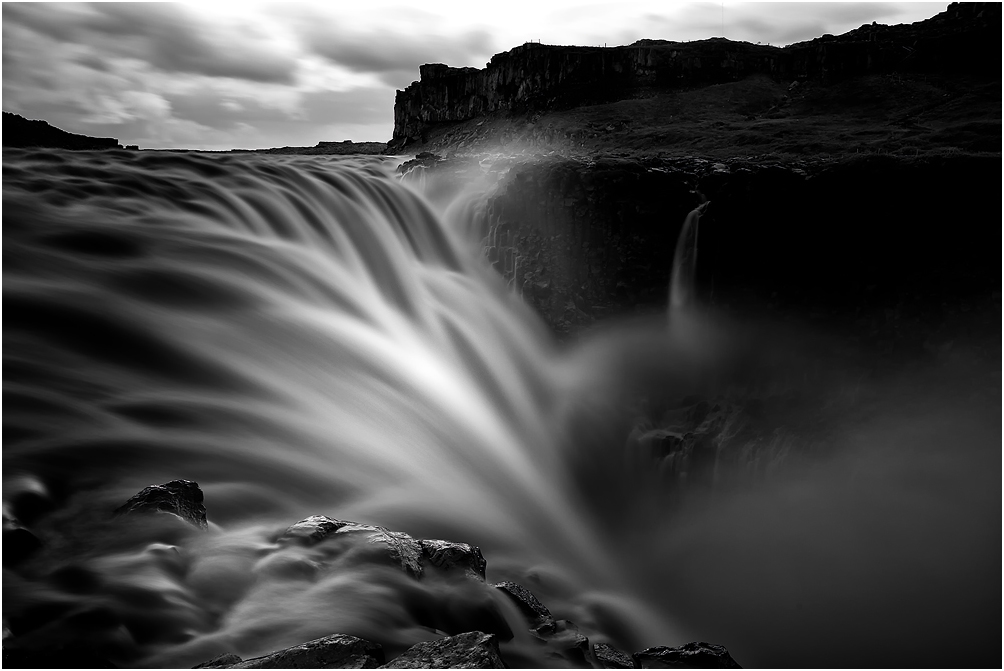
412, 555
473, 650
182, 498
529, 605
458, 602
610, 657
690, 656
338, 651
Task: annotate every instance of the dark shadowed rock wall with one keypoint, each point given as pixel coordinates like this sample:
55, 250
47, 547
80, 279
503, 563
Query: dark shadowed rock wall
541, 77
584, 239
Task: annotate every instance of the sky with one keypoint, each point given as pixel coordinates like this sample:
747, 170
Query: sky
215, 75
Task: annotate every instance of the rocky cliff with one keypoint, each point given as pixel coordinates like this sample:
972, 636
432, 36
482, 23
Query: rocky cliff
21, 132
581, 240
535, 77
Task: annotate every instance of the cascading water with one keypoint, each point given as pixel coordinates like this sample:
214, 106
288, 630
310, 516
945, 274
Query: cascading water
306, 336
682, 279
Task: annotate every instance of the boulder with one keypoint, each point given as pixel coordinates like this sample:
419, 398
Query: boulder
182, 498
535, 612
338, 651
450, 556
224, 661
697, 655
401, 548
473, 650
610, 657
410, 554
567, 643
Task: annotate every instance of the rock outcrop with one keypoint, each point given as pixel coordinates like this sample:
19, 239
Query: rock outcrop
338, 651
81, 634
472, 650
414, 556
690, 656
182, 498
535, 77
584, 239
21, 132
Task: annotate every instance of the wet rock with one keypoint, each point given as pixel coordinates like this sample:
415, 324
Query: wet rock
696, 655
401, 548
338, 651
224, 661
535, 612
450, 556
182, 498
311, 530
610, 657
473, 650
566, 642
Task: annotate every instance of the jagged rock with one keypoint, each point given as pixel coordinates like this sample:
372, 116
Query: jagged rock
566, 642
401, 548
449, 556
182, 498
411, 554
18, 542
695, 655
338, 651
224, 661
473, 650
610, 657
535, 612
311, 530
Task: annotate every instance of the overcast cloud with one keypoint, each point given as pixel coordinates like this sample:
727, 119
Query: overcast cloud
224, 75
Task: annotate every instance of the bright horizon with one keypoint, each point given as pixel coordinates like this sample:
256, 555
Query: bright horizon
255, 75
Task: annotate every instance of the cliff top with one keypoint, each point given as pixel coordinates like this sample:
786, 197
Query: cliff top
909, 89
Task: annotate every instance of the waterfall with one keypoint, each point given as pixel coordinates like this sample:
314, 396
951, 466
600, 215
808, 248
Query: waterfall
306, 335
682, 281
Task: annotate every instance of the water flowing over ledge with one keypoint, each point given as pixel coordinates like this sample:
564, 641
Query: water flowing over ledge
308, 336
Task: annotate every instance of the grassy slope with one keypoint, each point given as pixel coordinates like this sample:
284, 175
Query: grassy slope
906, 115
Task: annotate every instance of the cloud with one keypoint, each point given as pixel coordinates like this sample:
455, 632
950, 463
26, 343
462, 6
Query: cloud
165, 35
390, 52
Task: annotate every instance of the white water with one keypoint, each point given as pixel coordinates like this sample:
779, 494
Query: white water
306, 336
683, 277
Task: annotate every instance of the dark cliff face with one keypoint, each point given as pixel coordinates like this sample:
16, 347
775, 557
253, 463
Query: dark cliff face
582, 240
532, 77
21, 132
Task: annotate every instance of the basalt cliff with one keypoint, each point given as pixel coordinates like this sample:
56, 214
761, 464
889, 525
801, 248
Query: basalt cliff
536, 78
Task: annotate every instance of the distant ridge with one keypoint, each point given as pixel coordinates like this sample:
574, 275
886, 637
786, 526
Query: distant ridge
536, 78
21, 132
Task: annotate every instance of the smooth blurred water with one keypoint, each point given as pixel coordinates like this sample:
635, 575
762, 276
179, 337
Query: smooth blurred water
308, 336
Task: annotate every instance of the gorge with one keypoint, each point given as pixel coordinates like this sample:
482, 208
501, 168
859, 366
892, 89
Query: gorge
470, 350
